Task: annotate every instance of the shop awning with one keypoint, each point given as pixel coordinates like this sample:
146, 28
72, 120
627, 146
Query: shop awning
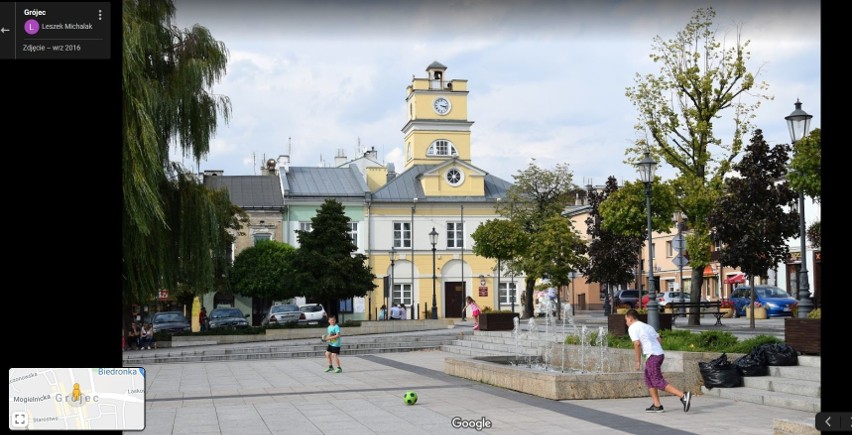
736, 279
708, 271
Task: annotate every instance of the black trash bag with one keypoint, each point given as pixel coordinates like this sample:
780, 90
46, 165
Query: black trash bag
720, 373
753, 364
779, 354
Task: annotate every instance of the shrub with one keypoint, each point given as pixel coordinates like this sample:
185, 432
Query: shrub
815, 314
746, 346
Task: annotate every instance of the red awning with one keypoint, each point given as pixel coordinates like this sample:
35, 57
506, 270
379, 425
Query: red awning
736, 279
708, 271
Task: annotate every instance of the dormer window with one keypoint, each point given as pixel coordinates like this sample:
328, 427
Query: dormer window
441, 148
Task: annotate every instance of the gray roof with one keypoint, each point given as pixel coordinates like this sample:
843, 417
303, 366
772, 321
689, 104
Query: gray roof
436, 64
249, 191
406, 186
324, 182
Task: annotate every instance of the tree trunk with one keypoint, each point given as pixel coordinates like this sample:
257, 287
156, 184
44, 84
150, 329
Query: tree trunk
694, 318
528, 301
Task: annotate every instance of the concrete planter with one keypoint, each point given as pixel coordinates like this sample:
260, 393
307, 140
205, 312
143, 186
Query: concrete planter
759, 313
497, 321
804, 335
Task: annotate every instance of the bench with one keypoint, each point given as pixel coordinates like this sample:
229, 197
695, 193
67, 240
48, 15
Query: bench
704, 307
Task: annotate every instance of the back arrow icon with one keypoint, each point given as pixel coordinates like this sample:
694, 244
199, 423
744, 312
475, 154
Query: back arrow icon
4, 30
826, 421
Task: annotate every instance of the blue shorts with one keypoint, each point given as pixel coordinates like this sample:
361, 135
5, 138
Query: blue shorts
654, 372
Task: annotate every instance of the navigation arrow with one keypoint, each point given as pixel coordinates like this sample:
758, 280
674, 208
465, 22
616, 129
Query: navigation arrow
4, 30
826, 421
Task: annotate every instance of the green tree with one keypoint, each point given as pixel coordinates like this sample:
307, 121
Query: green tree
174, 232
264, 271
536, 195
623, 222
612, 256
500, 239
557, 249
700, 78
806, 176
752, 218
326, 268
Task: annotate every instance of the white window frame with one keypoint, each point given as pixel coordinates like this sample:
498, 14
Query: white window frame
503, 292
441, 147
455, 235
353, 232
402, 234
306, 226
402, 293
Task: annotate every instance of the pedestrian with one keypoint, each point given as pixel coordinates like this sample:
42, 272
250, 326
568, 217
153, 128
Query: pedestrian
394, 312
474, 312
332, 352
383, 312
134, 336
202, 318
146, 339
647, 341
403, 315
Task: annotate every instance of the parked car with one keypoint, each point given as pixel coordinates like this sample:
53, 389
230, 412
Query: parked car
227, 318
280, 314
312, 313
673, 296
775, 300
626, 297
170, 322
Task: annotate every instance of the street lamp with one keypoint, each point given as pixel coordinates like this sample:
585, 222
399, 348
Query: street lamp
646, 168
392, 255
571, 276
798, 123
433, 239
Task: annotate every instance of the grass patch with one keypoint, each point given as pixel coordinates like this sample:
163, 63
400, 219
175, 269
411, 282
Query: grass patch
705, 341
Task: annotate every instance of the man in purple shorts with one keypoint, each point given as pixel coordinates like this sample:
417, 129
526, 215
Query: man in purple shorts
647, 341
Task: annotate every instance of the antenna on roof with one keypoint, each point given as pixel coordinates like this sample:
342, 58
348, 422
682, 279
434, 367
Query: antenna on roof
289, 146
254, 163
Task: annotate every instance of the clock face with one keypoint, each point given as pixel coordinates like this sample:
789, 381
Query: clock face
441, 106
454, 176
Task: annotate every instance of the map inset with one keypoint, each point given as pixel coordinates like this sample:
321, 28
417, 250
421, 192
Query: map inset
77, 398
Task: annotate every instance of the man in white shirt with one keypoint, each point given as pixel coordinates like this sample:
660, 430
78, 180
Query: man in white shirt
647, 341
394, 314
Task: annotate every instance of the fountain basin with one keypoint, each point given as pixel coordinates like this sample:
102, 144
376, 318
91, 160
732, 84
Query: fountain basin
552, 384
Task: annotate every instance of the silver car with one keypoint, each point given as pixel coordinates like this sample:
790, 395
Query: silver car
282, 314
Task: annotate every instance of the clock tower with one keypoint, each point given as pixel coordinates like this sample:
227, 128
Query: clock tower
437, 129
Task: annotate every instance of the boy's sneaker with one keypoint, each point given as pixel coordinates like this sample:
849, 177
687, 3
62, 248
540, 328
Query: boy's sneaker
653, 408
329, 370
686, 399
338, 370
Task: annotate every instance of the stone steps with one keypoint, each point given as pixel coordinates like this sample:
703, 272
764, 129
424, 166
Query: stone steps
791, 387
360, 345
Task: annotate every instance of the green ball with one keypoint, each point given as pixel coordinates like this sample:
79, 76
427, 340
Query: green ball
410, 398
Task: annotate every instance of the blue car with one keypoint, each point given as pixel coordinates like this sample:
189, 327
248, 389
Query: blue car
775, 300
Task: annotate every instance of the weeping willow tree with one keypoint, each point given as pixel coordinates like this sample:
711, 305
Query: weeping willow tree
175, 232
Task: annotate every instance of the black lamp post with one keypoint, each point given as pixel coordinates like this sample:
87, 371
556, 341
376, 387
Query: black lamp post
392, 255
571, 276
798, 123
433, 239
646, 168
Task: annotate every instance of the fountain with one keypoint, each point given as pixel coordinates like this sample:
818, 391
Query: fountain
588, 369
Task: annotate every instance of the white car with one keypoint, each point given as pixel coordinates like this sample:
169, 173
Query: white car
312, 313
672, 296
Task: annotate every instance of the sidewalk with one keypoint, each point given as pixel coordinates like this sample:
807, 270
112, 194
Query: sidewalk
295, 396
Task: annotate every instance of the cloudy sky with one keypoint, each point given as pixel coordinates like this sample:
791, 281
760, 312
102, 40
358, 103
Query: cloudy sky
547, 79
